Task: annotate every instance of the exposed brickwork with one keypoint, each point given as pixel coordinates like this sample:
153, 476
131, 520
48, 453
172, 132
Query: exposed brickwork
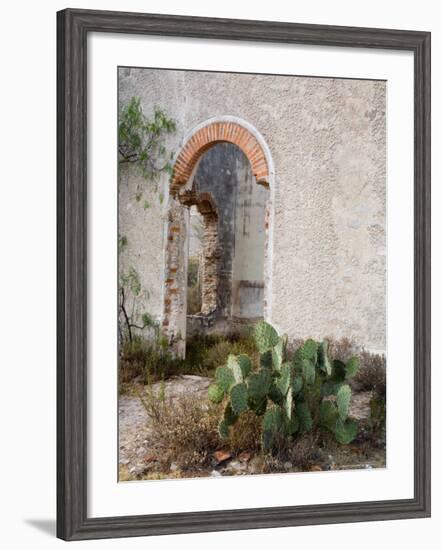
208, 136
175, 277
211, 251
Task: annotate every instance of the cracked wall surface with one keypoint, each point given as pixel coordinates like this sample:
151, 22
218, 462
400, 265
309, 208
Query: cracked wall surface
327, 138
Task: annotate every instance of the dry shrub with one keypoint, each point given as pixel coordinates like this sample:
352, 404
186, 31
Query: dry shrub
372, 374
185, 430
245, 435
149, 359
300, 453
342, 349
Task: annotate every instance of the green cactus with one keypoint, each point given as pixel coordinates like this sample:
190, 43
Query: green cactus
266, 360
328, 415
266, 336
310, 350
346, 431
304, 416
296, 383
352, 367
283, 382
291, 396
245, 365
215, 393
238, 398
224, 378
258, 384
279, 352
229, 416
324, 362
273, 425
339, 371
234, 365
308, 371
223, 429
343, 401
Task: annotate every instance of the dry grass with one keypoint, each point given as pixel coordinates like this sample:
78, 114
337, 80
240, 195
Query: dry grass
245, 435
185, 431
372, 374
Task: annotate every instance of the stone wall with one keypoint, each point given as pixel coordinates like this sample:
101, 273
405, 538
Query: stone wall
327, 138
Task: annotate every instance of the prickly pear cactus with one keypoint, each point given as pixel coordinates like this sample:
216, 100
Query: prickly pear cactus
292, 395
343, 401
266, 337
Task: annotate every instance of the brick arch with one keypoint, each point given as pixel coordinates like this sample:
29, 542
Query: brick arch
211, 133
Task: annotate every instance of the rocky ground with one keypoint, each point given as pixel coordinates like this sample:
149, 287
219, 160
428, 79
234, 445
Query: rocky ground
136, 456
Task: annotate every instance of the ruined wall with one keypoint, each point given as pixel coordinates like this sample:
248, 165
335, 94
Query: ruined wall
328, 143
225, 173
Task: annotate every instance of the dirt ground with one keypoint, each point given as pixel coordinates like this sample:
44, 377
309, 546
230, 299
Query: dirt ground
137, 458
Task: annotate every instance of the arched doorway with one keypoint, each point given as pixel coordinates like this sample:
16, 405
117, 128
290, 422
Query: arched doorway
185, 193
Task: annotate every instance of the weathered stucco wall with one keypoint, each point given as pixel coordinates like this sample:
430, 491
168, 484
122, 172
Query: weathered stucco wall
327, 138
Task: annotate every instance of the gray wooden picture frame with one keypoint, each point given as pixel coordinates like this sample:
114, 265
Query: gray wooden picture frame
73, 26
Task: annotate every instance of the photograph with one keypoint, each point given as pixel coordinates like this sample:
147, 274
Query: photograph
252, 274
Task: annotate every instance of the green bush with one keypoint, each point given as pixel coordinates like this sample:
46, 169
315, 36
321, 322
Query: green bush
292, 396
150, 359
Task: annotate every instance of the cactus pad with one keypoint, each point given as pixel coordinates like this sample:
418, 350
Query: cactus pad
352, 366
238, 398
215, 393
346, 431
229, 416
308, 371
283, 382
245, 365
338, 371
310, 350
328, 415
259, 384
266, 336
323, 359
234, 365
266, 360
223, 429
224, 378
343, 401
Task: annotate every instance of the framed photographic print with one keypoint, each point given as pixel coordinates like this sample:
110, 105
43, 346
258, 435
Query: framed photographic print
243, 274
